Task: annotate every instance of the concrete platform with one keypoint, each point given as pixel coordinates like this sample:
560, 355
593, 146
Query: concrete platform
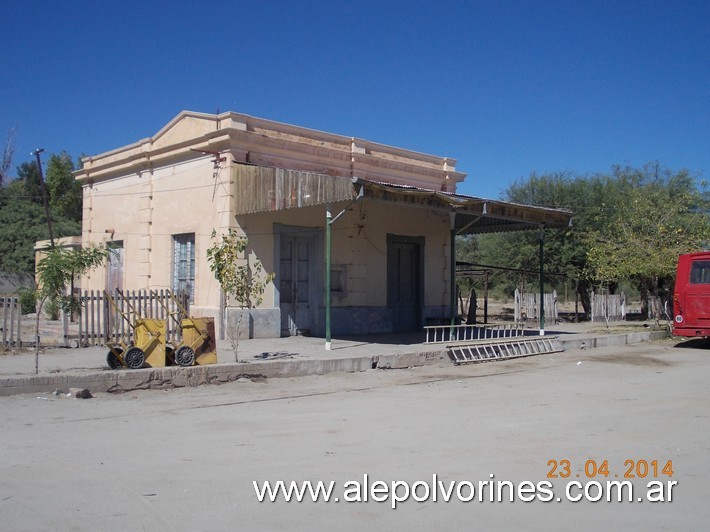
61, 368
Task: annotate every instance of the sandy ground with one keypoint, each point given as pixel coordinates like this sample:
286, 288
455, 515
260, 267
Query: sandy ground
185, 459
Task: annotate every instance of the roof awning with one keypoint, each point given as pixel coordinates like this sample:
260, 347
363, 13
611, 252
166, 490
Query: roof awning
266, 189
473, 215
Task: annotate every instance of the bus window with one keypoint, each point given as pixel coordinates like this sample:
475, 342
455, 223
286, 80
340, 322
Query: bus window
700, 272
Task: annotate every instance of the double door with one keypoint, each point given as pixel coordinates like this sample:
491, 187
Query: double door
296, 285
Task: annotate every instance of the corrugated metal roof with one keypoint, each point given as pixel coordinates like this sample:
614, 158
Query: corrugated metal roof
473, 215
265, 189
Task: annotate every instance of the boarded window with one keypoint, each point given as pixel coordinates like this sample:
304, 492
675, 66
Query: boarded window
184, 264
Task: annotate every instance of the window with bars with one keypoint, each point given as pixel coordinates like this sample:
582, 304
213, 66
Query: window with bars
184, 264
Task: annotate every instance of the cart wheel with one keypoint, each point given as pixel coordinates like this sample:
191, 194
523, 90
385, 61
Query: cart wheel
113, 361
185, 356
134, 357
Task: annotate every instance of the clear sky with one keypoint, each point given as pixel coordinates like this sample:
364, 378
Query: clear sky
504, 87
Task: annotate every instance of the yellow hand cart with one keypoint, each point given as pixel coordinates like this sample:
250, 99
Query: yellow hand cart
149, 343
198, 344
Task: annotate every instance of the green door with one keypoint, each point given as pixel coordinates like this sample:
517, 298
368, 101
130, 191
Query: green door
404, 282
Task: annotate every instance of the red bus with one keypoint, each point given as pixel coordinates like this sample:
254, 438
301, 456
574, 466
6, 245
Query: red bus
691, 300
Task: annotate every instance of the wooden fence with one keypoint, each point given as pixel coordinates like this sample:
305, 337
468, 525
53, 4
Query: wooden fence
608, 307
10, 320
110, 317
527, 307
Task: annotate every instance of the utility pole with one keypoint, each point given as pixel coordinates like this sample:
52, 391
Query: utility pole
44, 195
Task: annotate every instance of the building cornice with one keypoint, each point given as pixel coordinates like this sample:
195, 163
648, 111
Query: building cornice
261, 141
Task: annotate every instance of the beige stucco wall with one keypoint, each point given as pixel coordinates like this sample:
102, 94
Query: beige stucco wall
366, 248
144, 210
359, 241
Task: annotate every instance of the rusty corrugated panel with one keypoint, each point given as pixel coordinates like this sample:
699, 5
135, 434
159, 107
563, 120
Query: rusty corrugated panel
264, 189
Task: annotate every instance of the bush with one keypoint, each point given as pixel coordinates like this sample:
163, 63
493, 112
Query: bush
52, 309
28, 301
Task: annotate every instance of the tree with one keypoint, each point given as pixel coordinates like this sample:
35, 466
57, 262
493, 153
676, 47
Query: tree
628, 225
28, 174
660, 216
22, 224
564, 251
65, 195
8, 152
56, 272
22, 218
240, 280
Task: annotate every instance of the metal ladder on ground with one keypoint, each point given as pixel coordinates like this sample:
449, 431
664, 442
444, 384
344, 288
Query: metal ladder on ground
502, 349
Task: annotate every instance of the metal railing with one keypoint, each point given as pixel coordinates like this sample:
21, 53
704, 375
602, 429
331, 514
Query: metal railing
436, 334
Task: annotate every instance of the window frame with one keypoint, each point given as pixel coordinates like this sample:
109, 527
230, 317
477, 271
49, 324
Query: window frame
183, 264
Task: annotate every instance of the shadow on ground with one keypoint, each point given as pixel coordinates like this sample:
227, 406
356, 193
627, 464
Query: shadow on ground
694, 343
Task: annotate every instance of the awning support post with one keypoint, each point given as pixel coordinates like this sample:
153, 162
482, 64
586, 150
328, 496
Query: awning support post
328, 230
452, 300
329, 221
542, 281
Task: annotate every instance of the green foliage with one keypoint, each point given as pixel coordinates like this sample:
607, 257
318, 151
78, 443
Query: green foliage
55, 273
28, 176
238, 279
564, 253
629, 225
28, 300
57, 270
660, 216
23, 221
52, 309
65, 197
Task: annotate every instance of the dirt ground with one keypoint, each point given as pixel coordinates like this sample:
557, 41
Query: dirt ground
186, 459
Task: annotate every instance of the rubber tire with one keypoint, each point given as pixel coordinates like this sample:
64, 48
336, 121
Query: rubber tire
113, 361
134, 357
185, 356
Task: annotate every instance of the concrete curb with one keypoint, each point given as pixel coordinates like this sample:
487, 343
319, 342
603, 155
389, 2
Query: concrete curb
611, 340
178, 377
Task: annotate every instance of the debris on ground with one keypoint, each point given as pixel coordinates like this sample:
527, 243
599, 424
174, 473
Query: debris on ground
276, 354
79, 393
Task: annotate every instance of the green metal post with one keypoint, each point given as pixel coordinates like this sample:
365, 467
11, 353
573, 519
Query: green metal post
329, 221
328, 224
542, 282
452, 302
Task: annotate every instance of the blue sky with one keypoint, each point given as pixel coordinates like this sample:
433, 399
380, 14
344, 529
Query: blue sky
504, 87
